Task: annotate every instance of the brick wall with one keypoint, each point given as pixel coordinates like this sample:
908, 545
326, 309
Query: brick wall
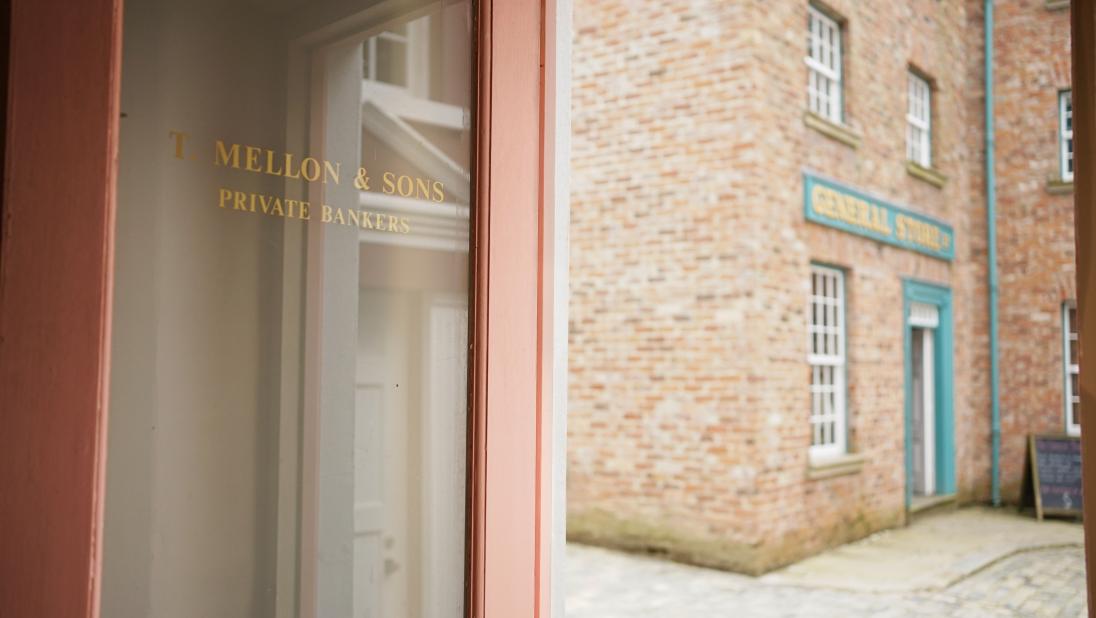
1035, 225
689, 399
668, 256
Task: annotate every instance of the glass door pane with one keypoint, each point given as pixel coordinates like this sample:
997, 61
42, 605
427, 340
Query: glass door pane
288, 418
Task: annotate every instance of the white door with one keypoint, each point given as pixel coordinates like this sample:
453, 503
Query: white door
928, 412
444, 431
409, 443
368, 499
923, 321
387, 442
389, 454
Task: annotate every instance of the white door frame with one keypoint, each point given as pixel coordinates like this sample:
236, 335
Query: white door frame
926, 318
928, 404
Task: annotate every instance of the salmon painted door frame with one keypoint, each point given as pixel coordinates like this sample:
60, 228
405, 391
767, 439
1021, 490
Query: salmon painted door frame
55, 282
55, 288
512, 375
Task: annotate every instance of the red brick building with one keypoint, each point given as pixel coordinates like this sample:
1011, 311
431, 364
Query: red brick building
1035, 227
779, 318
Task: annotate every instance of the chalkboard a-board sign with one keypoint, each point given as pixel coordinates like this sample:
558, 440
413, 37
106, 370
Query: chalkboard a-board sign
1052, 476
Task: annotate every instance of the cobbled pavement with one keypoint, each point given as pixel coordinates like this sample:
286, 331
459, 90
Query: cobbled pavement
607, 584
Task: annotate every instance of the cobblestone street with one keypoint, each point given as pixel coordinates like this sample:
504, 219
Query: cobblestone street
1037, 582
604, 584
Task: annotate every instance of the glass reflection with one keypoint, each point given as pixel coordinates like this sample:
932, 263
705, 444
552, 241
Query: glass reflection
288, 421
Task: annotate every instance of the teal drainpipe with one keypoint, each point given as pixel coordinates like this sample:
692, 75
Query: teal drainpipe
991, 239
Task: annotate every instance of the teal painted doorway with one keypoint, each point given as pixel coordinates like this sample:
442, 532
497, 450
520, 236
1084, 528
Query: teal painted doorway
929, 390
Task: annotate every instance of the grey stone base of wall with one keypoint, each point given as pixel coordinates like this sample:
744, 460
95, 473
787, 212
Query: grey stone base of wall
602, 528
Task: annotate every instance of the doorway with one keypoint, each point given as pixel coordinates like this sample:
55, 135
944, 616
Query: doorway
929, 425
212, 302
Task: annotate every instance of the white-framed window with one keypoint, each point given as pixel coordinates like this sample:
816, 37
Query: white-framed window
826, 328
387, 57
1072, 369
823, 65
399, 56
919, 120
1065, 134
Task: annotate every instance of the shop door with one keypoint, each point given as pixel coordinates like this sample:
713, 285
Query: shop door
290, 412
923, 322
217, 316
924, 434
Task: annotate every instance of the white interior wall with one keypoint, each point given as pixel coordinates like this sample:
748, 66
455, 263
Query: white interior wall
190, 510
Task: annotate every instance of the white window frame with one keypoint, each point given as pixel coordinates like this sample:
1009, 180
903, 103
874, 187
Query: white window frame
1065, 134
371, 46
824, 70
416, 44
919, 120
1072, 399
826, 357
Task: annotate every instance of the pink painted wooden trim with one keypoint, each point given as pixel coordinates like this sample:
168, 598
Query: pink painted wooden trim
55, 289
511, 399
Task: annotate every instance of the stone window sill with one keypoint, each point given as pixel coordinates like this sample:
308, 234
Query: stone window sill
831, 467
1054, 5
1057, 186
928, 174
832, 130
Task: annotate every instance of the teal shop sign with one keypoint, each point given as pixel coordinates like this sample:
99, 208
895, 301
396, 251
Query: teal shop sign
832, 204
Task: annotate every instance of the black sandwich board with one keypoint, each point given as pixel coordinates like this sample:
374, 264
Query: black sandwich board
1052, 475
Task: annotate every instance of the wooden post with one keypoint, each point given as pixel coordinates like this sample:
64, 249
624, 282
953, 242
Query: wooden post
1083, 17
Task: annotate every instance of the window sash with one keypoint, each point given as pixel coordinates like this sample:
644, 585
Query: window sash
824, 65
372, 45
824, 42
826, 357
919, 120
1065, 134
824, 70
405, 37
917, 145
1072, 369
